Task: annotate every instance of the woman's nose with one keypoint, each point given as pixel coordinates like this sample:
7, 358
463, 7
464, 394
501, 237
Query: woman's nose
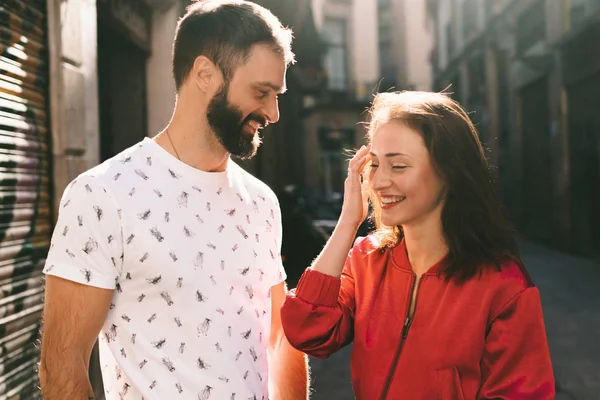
379, 181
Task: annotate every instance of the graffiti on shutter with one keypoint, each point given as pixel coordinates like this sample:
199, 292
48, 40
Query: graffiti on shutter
24, 191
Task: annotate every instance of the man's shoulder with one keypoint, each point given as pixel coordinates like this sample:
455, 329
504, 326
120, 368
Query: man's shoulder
255, 186
107, 173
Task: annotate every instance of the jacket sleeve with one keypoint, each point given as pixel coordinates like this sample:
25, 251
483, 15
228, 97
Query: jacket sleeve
318, 316
516, 360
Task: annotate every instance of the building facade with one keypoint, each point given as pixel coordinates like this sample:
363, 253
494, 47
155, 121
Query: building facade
529, 71
72, 93
405, 42
26, 188
370, 46
333, 115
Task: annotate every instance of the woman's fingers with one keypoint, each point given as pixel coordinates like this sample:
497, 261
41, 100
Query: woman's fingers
355, 205
359, 161
364, 164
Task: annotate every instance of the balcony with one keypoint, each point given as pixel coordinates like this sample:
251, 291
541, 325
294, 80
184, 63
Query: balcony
531, 27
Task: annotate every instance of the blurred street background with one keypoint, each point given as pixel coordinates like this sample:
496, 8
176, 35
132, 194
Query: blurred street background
81, 80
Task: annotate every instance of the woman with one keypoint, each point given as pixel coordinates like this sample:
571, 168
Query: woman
436, 300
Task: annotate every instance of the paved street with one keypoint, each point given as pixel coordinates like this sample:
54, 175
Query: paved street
570, 293
571, 300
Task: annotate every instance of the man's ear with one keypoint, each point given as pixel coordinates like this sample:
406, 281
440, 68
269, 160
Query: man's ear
205, 74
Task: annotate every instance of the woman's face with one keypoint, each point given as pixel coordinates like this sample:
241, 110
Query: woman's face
402, 176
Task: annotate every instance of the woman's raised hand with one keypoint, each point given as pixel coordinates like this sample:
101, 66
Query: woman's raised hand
356, 199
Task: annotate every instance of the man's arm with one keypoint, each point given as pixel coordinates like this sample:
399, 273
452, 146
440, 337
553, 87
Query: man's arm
288, 367
73, 317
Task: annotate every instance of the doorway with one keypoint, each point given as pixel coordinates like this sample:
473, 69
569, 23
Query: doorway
121, 91
584, 145
538, 191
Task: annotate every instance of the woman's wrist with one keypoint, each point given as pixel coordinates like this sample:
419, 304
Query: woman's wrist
347, 224
332, 258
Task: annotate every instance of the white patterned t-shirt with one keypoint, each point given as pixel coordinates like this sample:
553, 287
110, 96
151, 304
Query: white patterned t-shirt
191, 256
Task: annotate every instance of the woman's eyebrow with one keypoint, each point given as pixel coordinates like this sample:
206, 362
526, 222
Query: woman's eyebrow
390, 154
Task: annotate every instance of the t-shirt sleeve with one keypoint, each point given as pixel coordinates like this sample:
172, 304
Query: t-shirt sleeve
279, 273
87, 244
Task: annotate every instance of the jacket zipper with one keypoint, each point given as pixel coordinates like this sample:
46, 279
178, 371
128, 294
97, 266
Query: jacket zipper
405, 328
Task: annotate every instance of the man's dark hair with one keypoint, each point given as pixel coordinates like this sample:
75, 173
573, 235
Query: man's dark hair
225, 31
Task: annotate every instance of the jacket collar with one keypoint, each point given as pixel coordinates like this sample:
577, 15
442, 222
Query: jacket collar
399, 257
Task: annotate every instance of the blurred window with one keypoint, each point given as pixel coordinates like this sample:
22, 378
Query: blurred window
336, 62
469, 14
450, 45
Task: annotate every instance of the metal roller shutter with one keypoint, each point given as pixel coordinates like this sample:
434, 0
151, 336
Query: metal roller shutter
25, 226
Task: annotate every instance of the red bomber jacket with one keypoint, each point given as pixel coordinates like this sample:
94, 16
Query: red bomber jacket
484, 339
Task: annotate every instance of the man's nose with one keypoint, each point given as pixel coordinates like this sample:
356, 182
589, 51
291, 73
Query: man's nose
272, 111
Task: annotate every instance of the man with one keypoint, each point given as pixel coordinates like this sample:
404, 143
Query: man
170, 251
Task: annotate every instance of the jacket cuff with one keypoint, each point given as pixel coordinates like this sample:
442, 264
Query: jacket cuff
318, 289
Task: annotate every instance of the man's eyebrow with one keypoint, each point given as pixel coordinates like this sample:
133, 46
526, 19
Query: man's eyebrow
273, 86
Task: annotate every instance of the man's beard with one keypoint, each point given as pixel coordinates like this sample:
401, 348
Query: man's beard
227, 122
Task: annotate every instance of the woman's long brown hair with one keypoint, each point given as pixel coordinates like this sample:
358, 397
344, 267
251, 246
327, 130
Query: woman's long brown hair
475, 227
